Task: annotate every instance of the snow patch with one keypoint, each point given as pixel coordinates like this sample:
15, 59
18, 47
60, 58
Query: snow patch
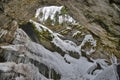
65, 45
54, 13
77, 32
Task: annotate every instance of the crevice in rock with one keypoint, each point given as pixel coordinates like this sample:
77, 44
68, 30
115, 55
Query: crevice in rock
114, 1
1, 7
2, 59
47, 72
118, 70
9, 75
106, 27
28, 28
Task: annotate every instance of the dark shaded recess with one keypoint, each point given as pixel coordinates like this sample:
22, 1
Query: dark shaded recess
43, 69
97, 68
74, 54
86, 56
118, 70
114, 1
28, 28
59, 50
118, 29
1, 7
117, 23
2, 59
2, 3
5, 1
102, 24
118, 45
48, 2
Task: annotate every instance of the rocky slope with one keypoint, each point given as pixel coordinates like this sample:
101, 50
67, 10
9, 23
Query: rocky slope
59, 39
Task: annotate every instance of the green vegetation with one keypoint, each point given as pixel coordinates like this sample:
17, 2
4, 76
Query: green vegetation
65, 32
48, 22
64, 11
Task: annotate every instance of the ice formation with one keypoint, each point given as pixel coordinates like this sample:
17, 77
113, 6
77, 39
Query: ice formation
29, 56
76, 69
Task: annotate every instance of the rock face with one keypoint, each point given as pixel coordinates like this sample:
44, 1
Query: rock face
59, 39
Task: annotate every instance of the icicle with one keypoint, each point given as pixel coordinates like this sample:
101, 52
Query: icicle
49, 73
113, 59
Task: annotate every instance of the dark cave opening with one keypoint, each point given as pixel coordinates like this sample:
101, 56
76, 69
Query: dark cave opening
28, 28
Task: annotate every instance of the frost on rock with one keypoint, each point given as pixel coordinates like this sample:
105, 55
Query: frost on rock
56, 14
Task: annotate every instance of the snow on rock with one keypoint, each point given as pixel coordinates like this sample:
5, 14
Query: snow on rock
41, 27
65, 45
68, 67
76, 70
13, 47
114, 59
77, 32
73, 71
53, 13
6, 67
48, 11
109, 73
21, 37
101, 62
88, 38
67, 19
52, 60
